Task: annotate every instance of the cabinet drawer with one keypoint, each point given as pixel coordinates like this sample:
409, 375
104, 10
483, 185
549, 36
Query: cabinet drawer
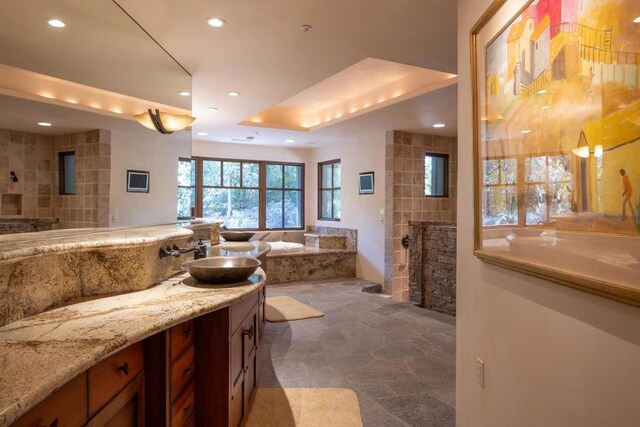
183, 409
182, 372
240, 310
111, 375
67, 407
181, 338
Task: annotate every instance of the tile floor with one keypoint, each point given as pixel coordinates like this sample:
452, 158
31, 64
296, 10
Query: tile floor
400, 359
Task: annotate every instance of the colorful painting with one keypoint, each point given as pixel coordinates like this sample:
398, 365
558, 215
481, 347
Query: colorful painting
558, 139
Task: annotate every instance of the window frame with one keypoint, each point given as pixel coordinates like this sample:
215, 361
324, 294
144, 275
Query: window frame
194, 164
445, 186
262, 189
61, 172
283, 189
332, 189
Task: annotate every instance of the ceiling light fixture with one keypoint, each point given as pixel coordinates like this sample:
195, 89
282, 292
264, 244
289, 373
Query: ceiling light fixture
45, 124
305, 28
165, 123
525, 131
546, 107
233, 93
542, 91
439, 125
289, 140
56, 23
202, 134
216, 22
184, 93
212, 109
637, 20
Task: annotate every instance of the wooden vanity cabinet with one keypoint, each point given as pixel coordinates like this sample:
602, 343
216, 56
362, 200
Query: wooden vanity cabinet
171, 367
226, 356
65, 407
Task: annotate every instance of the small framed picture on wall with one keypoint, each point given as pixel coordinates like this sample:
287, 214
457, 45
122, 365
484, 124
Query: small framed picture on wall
137, 181
366, 183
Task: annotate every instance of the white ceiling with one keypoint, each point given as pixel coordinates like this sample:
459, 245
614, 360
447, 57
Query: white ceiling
262, 54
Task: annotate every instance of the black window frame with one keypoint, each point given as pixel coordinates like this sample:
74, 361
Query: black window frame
332, 188
61, 173
445, 187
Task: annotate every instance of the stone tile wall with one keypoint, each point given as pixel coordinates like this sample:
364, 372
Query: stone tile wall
34, 159
432, 265
405, 200
30, 156
89, 207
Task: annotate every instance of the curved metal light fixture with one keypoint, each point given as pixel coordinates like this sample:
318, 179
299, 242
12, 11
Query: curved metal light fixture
165, 123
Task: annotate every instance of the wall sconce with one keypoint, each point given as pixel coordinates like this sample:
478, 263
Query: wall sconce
584, 152
14, 177
165, 123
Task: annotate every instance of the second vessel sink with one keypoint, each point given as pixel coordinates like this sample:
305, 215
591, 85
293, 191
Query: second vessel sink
222, 269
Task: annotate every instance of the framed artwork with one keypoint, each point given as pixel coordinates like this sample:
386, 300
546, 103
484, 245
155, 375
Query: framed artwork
556, 106
137, 181
366, 183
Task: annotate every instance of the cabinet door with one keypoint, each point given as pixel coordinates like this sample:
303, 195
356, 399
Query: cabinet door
249, 347
126, 409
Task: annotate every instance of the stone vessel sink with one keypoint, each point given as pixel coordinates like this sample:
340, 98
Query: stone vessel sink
222, 269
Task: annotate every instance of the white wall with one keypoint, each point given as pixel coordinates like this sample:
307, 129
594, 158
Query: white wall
358, 212
553, 356
151, 152
260, 152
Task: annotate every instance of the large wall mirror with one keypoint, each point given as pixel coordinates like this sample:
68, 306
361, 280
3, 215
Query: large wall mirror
68, 91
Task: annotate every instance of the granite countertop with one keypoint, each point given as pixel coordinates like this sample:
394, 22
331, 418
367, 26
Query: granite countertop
13, 246
41, 353
252, 248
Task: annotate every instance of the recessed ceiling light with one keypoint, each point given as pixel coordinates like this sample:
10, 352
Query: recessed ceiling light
637, 20
184, 93
212, 109
45, 124
542, 91
439, 125
56, 23
216, 22
202, 134
305, 28
546, 107
525, 131
234, 93
289, 140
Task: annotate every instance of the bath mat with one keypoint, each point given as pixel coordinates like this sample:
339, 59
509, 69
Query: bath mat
305, 407
283, 309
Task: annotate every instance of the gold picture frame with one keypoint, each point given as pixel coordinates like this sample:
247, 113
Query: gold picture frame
544, 76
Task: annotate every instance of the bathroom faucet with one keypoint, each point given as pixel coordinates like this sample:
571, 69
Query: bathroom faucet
176, 251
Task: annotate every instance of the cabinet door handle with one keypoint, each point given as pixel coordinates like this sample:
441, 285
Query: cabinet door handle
249, 332
187, 331
187, 371
124, 368
188, 410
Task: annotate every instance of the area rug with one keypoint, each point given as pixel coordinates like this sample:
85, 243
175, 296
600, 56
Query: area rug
305, 407
283, 309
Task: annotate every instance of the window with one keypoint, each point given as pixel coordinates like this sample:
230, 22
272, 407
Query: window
245, 194
231, 192
186, 188
547, 188
329, 177
284, 196
499, 191
436, 175
67, 169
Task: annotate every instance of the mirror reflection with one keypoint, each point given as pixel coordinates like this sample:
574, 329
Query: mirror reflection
72, 156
